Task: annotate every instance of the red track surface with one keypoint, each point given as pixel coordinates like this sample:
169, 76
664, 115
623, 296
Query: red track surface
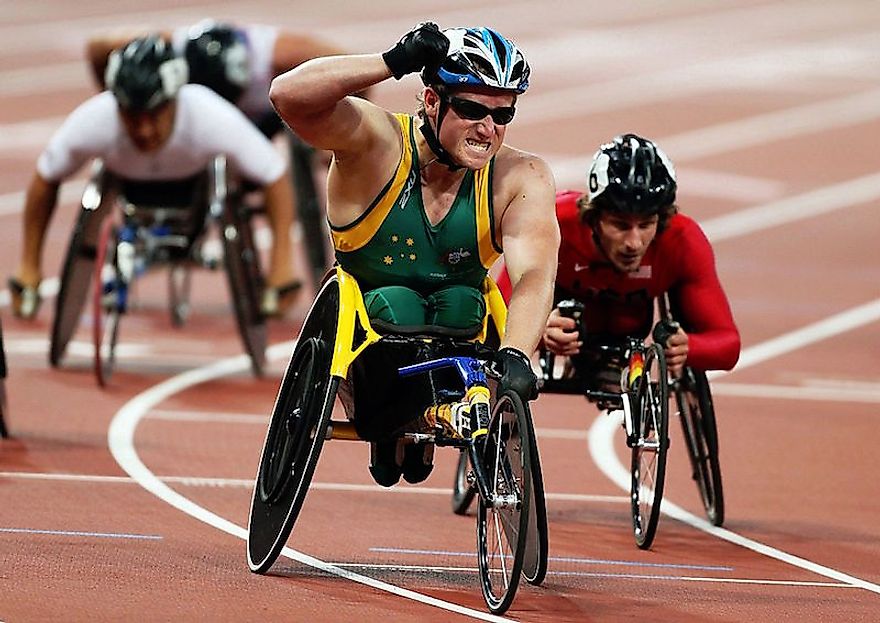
760, 104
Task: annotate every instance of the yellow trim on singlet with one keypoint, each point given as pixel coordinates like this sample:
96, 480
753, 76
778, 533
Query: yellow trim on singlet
485, 226
362, 231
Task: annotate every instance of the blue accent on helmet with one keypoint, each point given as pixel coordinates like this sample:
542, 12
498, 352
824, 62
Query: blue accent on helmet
481, 57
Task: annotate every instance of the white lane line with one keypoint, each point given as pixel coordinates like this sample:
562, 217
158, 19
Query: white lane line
816, 332
861, 190
564, 559
120, 438
595, 574
604, 429
248, 483
799, 392
100, 535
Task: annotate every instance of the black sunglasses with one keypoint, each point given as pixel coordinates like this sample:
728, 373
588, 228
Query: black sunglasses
475, 111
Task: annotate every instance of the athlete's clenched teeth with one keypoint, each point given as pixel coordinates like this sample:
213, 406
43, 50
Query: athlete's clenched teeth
477, 144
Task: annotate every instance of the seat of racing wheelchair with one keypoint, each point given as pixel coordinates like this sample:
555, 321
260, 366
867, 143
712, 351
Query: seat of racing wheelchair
383, 403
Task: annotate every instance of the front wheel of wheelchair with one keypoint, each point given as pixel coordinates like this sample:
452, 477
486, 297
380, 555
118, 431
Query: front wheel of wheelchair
463, 491
242, 261
296, 432
179, 288
108, 300
4, 432
694, 401
503, 518
537, 547
648, 469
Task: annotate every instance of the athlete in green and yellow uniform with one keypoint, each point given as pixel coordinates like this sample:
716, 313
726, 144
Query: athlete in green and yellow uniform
414, 273
420, 244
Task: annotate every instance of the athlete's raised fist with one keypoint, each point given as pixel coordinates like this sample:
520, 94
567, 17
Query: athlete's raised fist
422, 47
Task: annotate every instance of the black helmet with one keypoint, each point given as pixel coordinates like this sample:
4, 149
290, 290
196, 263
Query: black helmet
631, 175
217, 55
145, 74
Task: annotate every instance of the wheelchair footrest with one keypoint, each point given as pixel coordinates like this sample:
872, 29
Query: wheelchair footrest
342, 429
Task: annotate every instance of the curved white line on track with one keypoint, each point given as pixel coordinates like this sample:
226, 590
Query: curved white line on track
120, 438
604, 430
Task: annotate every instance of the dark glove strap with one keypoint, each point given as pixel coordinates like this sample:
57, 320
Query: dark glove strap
398, 61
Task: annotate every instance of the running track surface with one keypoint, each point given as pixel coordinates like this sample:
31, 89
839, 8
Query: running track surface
131, 502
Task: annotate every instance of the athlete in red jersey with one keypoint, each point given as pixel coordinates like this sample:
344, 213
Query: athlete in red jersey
623, 245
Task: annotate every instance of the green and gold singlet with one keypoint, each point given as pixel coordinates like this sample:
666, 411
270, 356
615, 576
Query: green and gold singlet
394, 244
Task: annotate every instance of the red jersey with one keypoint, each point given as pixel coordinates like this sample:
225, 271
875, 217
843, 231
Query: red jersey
679, 261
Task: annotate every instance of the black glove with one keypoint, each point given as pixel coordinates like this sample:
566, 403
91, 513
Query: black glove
663, 330
423, 46
515, 370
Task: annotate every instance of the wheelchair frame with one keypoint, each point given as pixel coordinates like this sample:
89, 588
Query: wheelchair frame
496, 436
152, 241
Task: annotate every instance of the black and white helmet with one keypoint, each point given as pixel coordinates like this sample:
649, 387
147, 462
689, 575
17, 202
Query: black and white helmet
218, 57
480, 57
631, 175
145, 74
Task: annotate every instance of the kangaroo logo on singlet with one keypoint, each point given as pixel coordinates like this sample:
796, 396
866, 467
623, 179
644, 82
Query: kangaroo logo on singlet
454, 257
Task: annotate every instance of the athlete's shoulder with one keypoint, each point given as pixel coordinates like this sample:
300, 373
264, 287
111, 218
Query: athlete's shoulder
516, 169
682, 227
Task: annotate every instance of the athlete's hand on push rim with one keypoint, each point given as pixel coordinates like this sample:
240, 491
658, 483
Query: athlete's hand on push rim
676, 352
561, 335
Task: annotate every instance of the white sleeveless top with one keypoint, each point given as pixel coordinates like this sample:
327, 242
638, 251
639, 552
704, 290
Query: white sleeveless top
205, 125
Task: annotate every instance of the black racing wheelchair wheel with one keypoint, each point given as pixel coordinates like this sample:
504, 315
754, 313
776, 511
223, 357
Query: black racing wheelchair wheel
651, 400
76, 274
296, 432
503, 519
179, 290
694, 400
463, 491
108, 298
535, 562
4, 432
242, 260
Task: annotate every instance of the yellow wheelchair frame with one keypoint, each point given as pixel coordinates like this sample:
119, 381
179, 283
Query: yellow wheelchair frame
498, 436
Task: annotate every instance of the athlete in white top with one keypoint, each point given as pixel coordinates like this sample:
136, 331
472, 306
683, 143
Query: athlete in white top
151, 126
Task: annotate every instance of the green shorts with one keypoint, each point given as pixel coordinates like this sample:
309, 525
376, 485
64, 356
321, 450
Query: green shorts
460, 309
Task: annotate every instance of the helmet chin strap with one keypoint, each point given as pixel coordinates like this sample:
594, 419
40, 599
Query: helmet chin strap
443, 156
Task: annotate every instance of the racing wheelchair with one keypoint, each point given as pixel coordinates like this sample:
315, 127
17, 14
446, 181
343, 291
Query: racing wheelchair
126, 228
630, 377
418, 388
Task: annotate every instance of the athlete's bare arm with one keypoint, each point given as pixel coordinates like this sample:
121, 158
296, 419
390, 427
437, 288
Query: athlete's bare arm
314, 99
40, 201
530, 238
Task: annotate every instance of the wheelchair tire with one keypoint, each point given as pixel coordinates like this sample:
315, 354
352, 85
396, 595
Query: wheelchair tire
242, 261
462, 492
4, 432
108, 295
296, 432
648, 467
76, 274
694, 400
537, 546
503, 523
310, 212
179, 288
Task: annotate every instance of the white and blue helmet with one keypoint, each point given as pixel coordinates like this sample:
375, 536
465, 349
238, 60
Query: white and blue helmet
480, 57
